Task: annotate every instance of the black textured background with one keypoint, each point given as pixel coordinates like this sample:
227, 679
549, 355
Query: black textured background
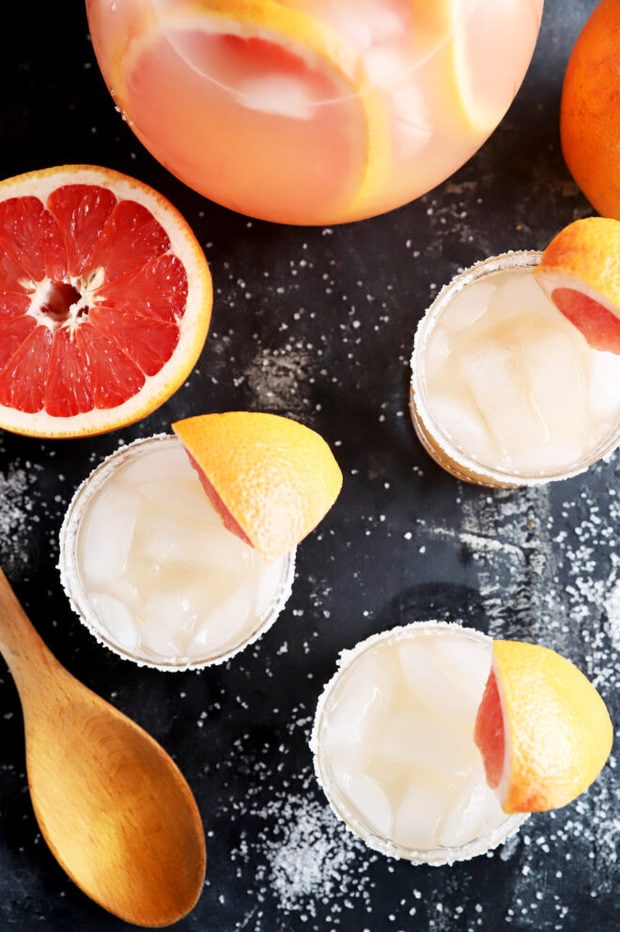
318, 324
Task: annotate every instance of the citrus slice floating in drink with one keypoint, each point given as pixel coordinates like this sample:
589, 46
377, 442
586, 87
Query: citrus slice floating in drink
106, 301
270, 478
475, 80
580, 272
542, 728
242, 82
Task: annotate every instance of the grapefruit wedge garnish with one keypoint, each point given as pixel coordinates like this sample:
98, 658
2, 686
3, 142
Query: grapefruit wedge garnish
579, 272
271, 479
105, 301
543, 730
255, 79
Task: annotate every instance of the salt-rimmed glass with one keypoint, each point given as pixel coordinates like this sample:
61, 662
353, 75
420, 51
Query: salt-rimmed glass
439, 440
339, 719
71, 570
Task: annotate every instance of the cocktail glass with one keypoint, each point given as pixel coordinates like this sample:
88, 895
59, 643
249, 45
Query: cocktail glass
313, 111
151, 570
394, 750
504, 390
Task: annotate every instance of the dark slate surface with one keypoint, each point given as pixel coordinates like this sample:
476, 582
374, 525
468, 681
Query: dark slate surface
318, 324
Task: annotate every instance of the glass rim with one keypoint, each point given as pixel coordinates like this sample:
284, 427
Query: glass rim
440, 855
68, 567
438, 444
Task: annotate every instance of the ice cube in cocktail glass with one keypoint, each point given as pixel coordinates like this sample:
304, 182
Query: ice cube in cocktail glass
504, 390
313, 111
393, 744
151, 570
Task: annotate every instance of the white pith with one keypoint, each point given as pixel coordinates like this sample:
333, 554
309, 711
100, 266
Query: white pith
41, 292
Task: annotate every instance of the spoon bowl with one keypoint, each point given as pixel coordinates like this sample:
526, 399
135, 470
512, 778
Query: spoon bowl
114, 808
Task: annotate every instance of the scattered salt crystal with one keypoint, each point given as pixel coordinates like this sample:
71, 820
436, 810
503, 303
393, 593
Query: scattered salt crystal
308, 860
16, 514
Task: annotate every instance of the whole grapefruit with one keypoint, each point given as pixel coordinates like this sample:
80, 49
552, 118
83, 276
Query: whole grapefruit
590, 109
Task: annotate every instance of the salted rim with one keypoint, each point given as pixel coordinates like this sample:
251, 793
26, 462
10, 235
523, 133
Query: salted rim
70, 577
435, 441
433, 856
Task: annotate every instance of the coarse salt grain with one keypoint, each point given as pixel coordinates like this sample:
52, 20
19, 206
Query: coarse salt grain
16, 514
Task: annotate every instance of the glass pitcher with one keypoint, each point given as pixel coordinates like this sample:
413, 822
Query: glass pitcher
313, 111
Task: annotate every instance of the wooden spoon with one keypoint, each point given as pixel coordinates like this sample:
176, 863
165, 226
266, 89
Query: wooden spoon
113, 807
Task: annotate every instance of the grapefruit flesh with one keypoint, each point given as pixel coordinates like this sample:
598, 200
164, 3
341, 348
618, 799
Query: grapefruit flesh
105, 301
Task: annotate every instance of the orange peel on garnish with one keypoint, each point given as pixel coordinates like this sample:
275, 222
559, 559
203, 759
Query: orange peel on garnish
542, 728
271, 479
579, 272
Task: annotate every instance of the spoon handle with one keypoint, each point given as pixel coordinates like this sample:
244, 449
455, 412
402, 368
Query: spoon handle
28, 658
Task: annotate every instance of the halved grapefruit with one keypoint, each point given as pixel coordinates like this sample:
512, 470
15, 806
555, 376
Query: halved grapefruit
105, 301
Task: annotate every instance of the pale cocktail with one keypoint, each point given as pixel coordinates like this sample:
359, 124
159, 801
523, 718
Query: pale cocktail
504, 390
394, 747
313, 111
152, 571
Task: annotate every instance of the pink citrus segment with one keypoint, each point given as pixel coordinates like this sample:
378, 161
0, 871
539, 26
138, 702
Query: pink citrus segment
599, 325
105, 304
228, 519
579, 272
489, 732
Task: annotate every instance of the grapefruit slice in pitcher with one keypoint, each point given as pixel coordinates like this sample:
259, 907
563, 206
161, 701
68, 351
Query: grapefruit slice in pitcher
257, 105
579, 272
105, 301
474, 79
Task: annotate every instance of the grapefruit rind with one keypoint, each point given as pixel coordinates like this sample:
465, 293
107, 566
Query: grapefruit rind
193, 325
556, 728
579, 272
489, 732
275, 478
